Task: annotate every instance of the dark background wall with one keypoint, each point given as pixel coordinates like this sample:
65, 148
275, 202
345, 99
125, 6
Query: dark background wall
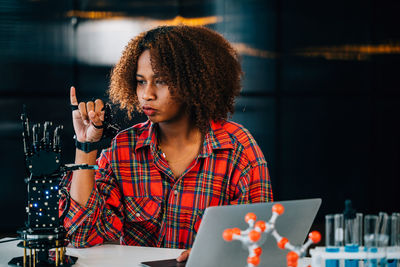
321, 88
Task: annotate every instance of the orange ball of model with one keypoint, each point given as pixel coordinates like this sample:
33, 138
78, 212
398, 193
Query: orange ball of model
257, 251
250, 216
227, 235
282, 242
278, 208
253, 260
254, 235
292, 259
315, 236
261, 225
236, 231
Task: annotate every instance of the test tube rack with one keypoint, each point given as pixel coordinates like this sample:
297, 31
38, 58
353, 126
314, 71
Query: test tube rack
319, 255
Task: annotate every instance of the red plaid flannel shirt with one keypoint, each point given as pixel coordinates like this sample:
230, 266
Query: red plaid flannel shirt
137, 200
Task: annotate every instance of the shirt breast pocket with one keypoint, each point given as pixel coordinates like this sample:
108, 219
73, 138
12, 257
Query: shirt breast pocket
139, 209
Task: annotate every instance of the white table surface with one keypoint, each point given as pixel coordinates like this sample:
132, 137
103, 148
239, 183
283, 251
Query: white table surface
99, 256
107, 255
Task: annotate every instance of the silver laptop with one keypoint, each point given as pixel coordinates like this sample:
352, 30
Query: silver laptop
210, 249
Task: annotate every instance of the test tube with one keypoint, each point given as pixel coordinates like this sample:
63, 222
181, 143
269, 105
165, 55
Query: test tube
395, 230
352, 231
394, 240
383, 228
339, 230
360, 217
352, 226
370, 239
383, 236
331, 231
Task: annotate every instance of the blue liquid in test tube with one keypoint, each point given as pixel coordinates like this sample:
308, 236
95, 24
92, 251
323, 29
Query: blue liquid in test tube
370, 240
394, 237
334, 237
352, 227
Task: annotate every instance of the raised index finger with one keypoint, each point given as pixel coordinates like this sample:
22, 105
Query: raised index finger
72, 96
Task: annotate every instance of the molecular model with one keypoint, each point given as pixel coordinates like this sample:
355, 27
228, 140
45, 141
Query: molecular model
252, 235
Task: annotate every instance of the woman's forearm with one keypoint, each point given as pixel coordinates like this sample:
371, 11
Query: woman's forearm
83, 180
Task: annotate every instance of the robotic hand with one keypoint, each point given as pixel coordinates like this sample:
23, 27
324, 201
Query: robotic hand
43, 229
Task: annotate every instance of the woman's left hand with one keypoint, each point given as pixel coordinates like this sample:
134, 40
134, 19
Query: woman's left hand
184, 256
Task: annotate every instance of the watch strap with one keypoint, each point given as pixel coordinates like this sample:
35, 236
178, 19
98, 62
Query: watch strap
87, 146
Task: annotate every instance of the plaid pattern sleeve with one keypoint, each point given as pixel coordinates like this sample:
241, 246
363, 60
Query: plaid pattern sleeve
138, 199
101, 218
254, 184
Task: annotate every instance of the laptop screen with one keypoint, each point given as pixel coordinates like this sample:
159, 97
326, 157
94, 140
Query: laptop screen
210, 249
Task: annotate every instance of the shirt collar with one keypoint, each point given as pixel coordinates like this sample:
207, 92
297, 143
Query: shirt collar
216, 138
147, 136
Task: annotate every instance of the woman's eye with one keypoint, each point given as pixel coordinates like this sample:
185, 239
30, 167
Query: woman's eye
160, 82
140, 82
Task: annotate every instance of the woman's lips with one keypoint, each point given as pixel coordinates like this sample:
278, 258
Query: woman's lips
149, 111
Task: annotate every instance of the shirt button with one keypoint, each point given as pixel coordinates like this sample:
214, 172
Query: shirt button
137, 214
175, 192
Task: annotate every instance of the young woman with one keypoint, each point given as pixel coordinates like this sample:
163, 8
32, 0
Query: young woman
157, 178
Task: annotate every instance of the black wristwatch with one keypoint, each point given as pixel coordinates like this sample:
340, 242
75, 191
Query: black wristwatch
87, 146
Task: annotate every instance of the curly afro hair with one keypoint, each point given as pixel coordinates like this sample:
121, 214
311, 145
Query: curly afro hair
200, 67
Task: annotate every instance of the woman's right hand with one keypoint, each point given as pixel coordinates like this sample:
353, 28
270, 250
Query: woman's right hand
85, 117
